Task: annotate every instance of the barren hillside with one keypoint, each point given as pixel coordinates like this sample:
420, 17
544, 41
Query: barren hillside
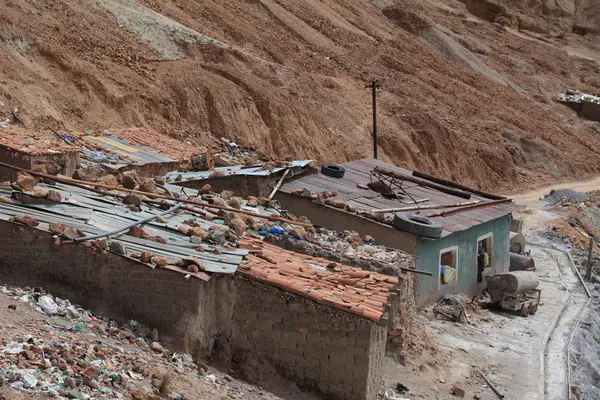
466, 91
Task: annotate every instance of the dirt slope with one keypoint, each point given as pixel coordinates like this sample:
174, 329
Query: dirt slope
466, 86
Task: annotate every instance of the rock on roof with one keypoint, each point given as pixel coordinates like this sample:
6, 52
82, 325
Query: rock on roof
363, 293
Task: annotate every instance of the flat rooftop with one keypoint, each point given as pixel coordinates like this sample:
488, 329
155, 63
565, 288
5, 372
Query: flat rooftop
364, 199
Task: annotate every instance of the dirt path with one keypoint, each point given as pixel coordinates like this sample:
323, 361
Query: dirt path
531, 199
556, 367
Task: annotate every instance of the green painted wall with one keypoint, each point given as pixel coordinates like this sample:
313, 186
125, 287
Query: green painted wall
429, 288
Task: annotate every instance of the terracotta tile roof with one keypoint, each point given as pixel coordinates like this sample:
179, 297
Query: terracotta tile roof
163, 144
345, 288
33, 142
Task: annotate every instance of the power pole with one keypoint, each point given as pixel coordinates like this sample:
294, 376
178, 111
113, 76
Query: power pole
374, 84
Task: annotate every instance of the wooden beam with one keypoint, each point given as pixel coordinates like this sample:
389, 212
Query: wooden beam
68, 181
457, 185
424, 182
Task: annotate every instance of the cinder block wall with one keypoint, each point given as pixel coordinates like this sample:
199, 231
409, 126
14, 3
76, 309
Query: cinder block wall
322, 349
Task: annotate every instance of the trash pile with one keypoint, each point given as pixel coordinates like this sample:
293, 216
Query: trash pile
231, 153
75, 353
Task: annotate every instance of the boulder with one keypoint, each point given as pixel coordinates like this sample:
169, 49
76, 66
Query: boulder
109, 180
137, 232
297, 232
40, 192
129, 181
134, 199
238, 226
25, 219
25, 181
57, 228
198, 232
147, 185
226, 194
54, 195
206, 189
235, 202
252, 201
160, 261
146, 257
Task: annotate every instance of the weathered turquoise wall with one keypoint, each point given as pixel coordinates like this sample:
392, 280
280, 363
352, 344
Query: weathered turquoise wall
429, 288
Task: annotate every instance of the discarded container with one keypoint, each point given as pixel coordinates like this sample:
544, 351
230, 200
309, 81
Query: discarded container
48, 304
277, 230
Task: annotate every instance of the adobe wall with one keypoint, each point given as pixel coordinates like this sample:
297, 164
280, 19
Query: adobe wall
320, 348
231, 319
152, 169
240, 185
341, 220
188, 313
66, 162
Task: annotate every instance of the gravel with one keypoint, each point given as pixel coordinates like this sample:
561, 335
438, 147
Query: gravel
558, 195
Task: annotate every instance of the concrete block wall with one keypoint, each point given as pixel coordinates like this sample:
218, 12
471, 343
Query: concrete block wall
324, 350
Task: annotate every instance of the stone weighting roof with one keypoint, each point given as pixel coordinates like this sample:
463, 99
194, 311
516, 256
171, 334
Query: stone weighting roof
360, 292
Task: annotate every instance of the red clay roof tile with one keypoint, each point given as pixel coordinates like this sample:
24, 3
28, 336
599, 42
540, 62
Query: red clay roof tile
362, 293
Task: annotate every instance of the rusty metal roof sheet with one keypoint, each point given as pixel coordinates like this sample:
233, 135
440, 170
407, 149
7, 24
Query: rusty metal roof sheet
95, 214
358, 172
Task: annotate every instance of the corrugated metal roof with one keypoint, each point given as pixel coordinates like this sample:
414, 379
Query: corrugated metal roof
358, 172
235, 170
137, 154
95, 214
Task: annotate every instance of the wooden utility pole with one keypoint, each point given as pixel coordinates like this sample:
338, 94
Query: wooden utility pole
588, 273
373, 85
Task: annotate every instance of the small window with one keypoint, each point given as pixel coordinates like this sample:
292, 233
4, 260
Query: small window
448, 266
485, 255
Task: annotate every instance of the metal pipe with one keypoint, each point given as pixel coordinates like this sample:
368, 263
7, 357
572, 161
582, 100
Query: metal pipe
485, 378
456, 185
466, 208
76, 182
126, 227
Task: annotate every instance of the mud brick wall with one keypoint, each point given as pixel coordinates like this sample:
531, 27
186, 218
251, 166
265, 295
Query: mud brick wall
321, 349
66, 161
242, 186
189, 314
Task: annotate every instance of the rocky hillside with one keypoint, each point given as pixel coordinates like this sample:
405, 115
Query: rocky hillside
466, 86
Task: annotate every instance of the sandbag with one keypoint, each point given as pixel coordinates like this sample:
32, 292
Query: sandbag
520, 262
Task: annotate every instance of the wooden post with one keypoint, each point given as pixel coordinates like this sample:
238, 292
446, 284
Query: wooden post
588, 274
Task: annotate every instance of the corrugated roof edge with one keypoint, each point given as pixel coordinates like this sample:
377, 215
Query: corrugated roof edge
200, 275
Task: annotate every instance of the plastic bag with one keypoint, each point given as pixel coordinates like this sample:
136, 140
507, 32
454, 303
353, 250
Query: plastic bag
48, 304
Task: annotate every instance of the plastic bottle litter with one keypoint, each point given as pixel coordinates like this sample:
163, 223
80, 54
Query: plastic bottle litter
48, 304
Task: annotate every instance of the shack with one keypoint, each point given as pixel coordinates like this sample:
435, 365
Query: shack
253, 180
264, 310
42, 151
458, 234
126, 150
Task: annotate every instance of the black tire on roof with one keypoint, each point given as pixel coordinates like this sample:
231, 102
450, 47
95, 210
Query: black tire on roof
334, 171
418, 225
